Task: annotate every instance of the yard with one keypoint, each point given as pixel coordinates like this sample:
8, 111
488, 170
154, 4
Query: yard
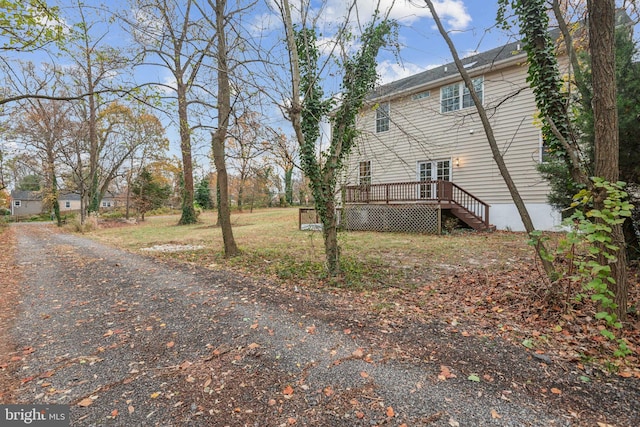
487, 284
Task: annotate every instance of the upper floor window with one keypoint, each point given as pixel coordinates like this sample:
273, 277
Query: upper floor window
67, 204
364, 173
421, 95
382, 117
457, 96
17, 203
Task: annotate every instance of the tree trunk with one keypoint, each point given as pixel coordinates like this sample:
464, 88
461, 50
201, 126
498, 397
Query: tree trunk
330, 234
219, 136
224, 212
606, 149
288, 186
188, 211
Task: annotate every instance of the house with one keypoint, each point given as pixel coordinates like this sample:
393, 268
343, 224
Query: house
69, 202
422, 143
27, 203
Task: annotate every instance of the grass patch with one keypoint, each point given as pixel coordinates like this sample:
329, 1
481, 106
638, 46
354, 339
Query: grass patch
272, 245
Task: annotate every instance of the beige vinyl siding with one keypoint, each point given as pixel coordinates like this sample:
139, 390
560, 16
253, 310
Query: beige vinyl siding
27, 207
74, 205
419, 132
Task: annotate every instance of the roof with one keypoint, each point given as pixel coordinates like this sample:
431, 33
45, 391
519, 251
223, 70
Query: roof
480, 61
475, 62
37, 195
25, 195
68, 196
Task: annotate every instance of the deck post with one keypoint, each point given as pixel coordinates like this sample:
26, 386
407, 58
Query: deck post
486, 215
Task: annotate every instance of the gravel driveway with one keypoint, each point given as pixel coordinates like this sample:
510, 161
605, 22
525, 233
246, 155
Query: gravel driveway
127, 340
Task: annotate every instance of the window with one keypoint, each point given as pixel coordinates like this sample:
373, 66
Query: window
450, 99
364, 173
421, 95
106, 204
382, 117
17, 203
67, 204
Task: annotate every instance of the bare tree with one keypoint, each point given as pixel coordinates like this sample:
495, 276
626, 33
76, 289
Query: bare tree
246, 142
176, 36
285, 153
219, 136
493, 144
95, 65
42, 128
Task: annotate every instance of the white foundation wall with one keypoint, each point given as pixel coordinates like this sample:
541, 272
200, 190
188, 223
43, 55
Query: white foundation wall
506, 217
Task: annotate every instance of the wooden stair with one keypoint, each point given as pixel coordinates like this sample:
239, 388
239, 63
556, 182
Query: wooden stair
471, 219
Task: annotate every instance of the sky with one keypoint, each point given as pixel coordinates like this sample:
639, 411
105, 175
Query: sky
471, 24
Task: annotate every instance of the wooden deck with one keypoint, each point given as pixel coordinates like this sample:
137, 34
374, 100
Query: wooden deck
464, 205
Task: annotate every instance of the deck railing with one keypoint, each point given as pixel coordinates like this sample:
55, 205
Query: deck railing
443, 192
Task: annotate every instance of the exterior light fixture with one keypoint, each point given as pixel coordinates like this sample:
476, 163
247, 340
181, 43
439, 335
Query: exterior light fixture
457, 161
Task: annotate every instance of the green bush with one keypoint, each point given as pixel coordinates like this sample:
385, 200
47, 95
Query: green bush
114, 214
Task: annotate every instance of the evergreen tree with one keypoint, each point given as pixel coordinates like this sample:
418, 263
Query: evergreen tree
203, 194
148, 193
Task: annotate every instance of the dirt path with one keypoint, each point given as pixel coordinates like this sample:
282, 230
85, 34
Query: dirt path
126, 340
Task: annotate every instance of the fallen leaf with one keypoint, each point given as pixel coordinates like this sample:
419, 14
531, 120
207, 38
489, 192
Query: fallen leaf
170, 344
445, 373
271, 402
358, 353
556, 391
363, 374
360, 414
328, 391
154, 395
254, 345
311, 329
625, 374
453, 423
85, 402
131, 409
495, 415
474, 377
254, 326
347, 331
114, 413
291, 421
390, 412
108, 333
288, 391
